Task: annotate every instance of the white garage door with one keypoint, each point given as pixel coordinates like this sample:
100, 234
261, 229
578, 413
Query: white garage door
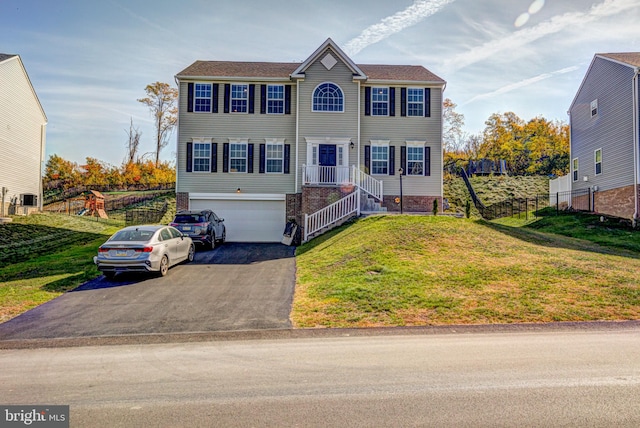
248, 220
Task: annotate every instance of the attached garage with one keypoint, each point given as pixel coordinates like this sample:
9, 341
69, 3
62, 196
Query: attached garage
247, 217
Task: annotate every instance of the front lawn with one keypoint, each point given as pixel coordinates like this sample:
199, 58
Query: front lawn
417, 270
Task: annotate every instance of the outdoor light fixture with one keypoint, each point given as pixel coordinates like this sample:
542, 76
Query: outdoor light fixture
238, 190
401, 171
352, 145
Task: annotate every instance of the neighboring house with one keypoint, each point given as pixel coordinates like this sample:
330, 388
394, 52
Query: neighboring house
262, 143
604, 135
22, 140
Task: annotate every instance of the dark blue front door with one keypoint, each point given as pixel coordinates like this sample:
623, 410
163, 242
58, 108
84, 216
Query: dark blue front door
327, 158
327, 155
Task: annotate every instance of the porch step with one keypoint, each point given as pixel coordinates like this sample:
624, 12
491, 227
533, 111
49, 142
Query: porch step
370, 204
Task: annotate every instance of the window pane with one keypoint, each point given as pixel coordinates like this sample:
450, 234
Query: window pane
328, 97
274, 157
239, 96
275, 99
201, 157
415, 102
379, 159
202, 97
415, 157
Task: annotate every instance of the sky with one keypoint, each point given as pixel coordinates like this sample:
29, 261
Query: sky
89, 61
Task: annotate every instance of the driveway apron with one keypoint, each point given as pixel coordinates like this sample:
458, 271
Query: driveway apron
234, 287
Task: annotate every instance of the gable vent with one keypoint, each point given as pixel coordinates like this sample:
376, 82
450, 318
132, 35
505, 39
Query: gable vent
329, 61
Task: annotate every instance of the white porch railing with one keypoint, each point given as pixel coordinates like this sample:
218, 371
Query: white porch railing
313, 174
367, 183
331, 214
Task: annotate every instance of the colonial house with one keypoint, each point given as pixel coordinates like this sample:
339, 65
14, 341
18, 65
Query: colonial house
263, 143
23, 125
604, 135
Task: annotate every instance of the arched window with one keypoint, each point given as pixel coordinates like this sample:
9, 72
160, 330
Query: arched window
328, 97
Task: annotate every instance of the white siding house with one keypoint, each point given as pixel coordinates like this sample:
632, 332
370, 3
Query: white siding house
262, 143
604, 135
22, 139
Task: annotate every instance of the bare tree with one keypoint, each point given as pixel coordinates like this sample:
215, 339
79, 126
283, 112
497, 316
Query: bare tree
452, 134
161, 99
133, 143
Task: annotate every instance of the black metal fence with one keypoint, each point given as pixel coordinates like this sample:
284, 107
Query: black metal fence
145, 215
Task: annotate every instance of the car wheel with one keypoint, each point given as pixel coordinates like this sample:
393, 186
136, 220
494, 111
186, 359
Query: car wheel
213, 240
109, 275
191, 254
224, 235
164, 265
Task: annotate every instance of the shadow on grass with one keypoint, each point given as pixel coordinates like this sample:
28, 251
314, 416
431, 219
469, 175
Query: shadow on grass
576, 231
316, 242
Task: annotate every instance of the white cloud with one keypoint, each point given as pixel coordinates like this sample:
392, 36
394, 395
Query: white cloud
395, 23
520, 84
523, 37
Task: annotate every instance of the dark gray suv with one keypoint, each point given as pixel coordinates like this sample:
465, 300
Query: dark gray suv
202, 226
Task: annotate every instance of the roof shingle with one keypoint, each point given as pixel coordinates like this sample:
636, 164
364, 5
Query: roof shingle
631, 58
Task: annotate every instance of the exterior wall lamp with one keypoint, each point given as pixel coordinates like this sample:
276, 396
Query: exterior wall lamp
238, 190
351, 145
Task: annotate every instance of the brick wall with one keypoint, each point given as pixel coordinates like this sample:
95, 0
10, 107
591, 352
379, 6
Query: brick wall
182, 201
615, 202
410, 204
294, 207
315, 198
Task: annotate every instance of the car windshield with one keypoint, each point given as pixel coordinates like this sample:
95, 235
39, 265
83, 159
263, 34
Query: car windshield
132, 235
189, 218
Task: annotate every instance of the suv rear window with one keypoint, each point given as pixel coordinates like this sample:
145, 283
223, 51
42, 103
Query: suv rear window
189, 218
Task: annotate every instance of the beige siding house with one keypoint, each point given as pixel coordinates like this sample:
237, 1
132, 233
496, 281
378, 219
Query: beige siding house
22, 140
316, 142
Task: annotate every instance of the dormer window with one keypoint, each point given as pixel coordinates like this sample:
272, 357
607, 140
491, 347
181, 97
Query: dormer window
328, 97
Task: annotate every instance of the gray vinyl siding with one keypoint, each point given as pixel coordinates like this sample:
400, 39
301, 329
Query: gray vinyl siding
398, 130
22, 133
328, 124
611, 129
219, 128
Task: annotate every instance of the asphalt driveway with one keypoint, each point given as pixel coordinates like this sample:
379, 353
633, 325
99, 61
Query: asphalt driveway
233, 287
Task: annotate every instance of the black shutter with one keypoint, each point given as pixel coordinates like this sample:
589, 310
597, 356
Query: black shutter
427, 161
287, 99
367, 101
392, 101
250, 158
214, 157
403, 159
263, 99
189, 166
427, 102
214, 98
367, 159
252, 97
403, 101
227, 98
190, 97
263, 153
225, 157
287, 158
392, 160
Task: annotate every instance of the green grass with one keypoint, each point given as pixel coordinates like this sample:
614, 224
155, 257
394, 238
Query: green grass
414, 270
44, 255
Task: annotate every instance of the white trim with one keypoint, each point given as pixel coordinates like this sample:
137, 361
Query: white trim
593, 106
414, 102
246, 158
575, 171
273, 142
416, 143
193, 107
379, 143
231, 98
193, 155
275, 99
239, 196
357, 73
388, 102
296, 164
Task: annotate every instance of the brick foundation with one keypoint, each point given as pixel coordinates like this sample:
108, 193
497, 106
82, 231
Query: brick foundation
182, 201
315, 198
294, 207
615, 202
411, 204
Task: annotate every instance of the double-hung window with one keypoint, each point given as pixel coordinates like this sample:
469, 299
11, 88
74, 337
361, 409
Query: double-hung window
380, 101
201, 157
275, 157
238, 157
575, 169
415, 102
328, 97
275, 99
598, 161
380, 159
202, 97
415, 160
239, 98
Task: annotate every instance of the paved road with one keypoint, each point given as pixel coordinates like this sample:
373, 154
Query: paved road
234, 287
525, 379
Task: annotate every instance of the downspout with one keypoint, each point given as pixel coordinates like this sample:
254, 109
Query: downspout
635, 144
175, 78
295, 190
357, 179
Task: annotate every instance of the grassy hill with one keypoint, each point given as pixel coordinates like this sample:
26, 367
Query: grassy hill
492, 189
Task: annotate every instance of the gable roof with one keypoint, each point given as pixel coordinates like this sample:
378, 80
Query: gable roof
629, 59
4, 57
235, 70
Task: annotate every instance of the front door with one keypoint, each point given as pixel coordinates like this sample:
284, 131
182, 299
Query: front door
327, 162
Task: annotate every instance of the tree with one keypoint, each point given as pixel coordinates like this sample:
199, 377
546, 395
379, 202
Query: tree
133, 143
61, 171
453, 122
161, 99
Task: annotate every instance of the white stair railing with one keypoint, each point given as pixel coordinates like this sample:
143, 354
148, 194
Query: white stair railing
367, 183
314, 174
331, 214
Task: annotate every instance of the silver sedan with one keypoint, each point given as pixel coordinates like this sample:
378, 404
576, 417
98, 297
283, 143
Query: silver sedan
147, 248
